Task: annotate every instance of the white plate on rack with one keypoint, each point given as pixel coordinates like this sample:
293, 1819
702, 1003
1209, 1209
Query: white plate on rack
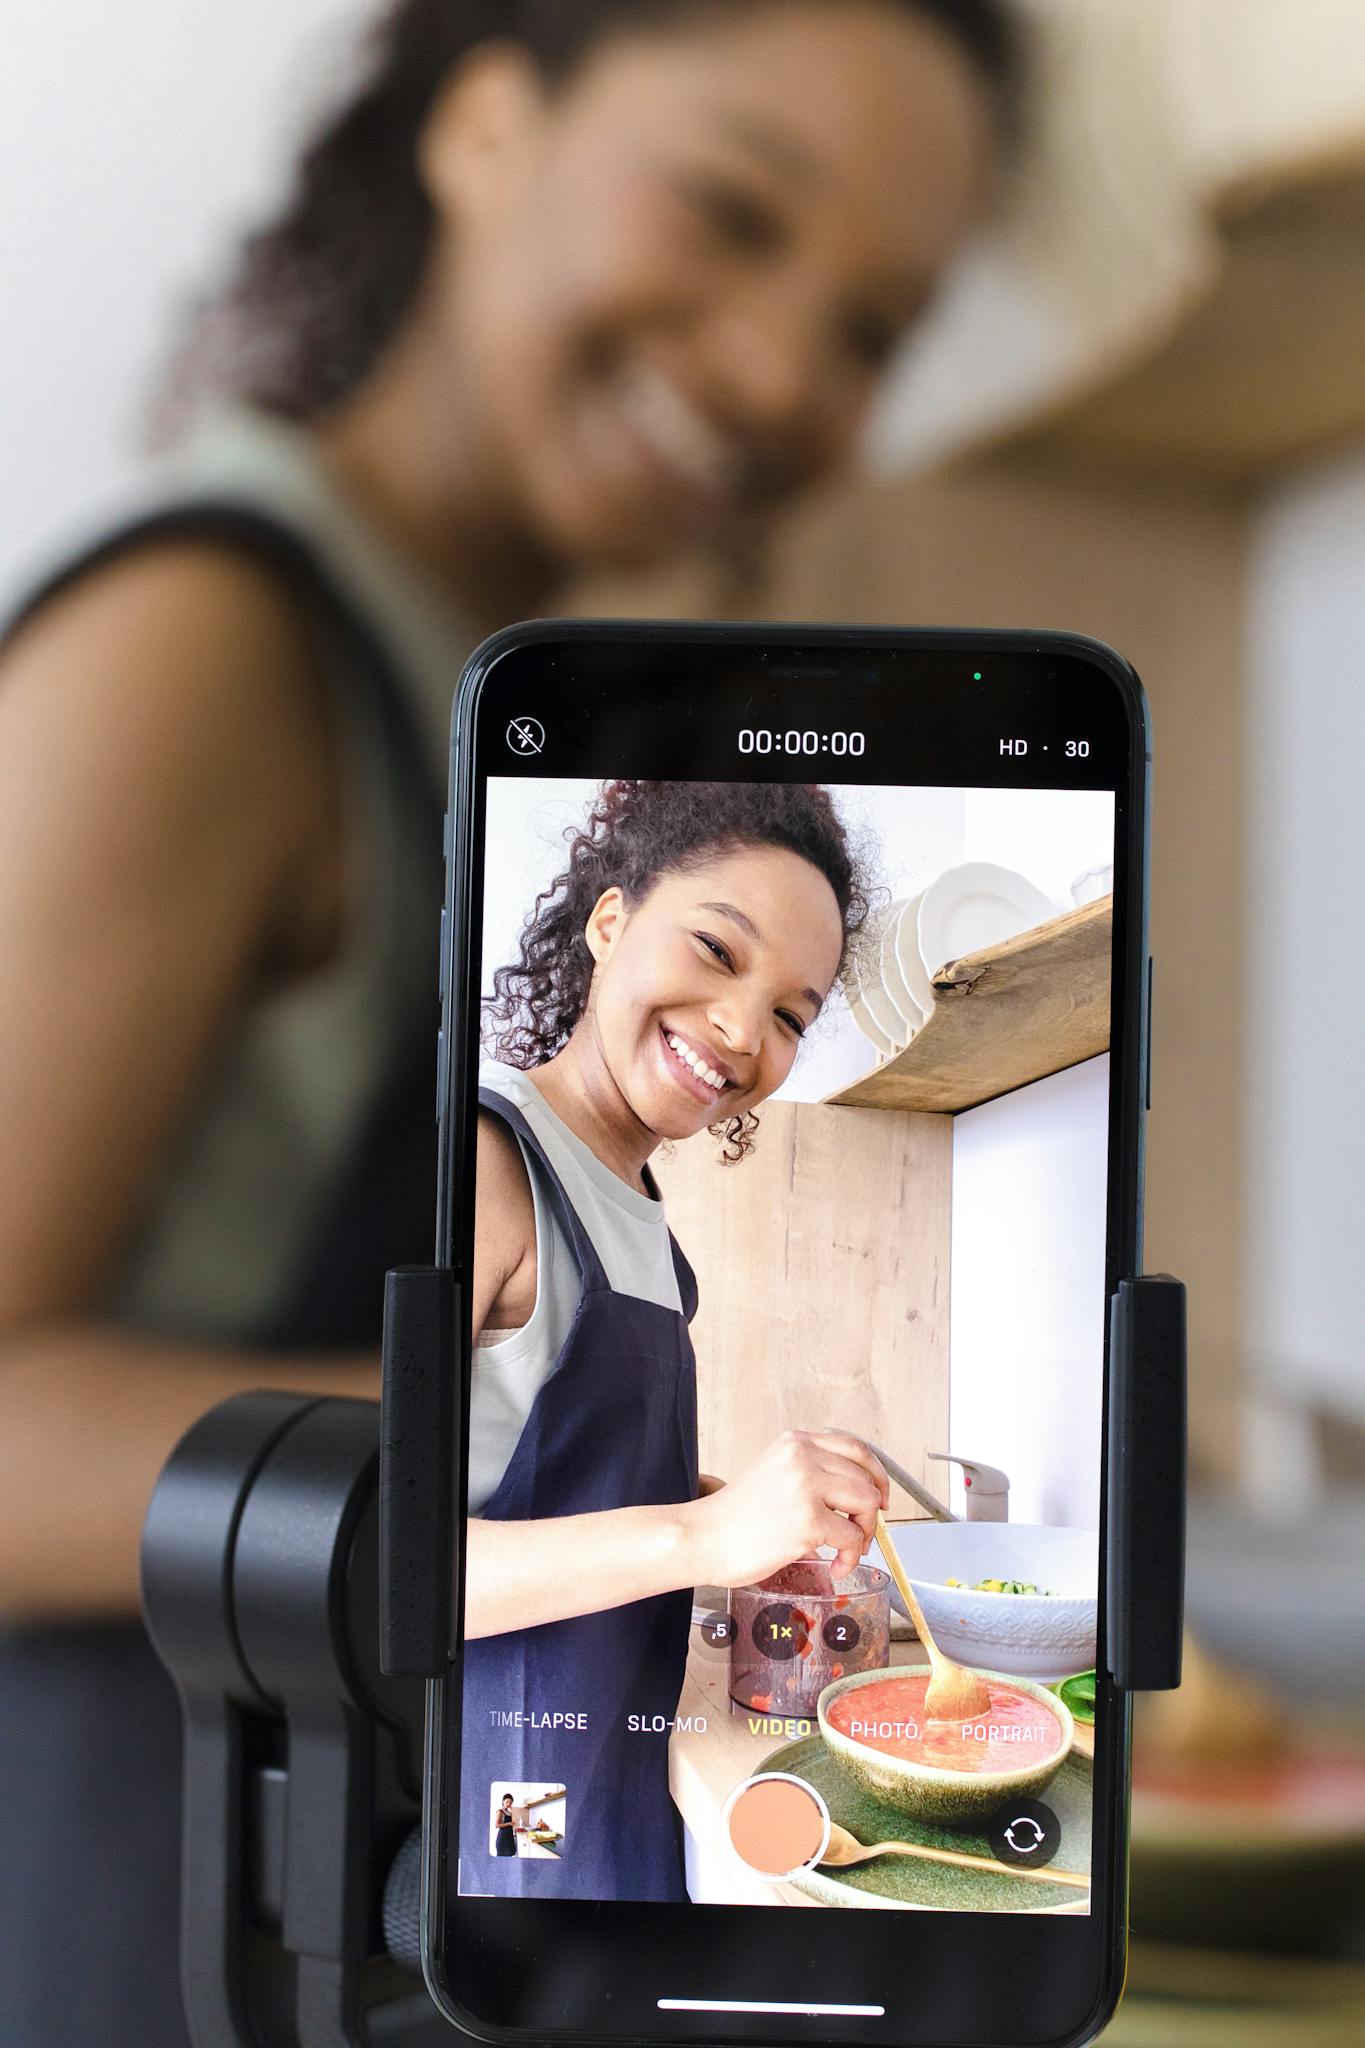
881, 1041
911, 1012
910, 960
977, 905
868, 998
883, 1012
1094, 883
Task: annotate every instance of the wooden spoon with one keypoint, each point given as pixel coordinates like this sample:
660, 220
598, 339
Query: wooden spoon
845, 1849
953, 1693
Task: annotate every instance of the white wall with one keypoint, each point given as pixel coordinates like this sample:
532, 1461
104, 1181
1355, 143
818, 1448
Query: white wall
137, 138
1028, 1304
1304, 990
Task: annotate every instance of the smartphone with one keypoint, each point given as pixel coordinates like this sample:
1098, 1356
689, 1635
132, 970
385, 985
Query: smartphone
792, 1078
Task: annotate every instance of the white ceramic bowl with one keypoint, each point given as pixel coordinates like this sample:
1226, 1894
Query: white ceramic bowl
1028, 1635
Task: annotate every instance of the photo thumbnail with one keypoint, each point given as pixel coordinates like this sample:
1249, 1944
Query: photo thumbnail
527, 1820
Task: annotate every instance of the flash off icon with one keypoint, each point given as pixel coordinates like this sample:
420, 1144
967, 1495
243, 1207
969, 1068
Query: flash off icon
525, 736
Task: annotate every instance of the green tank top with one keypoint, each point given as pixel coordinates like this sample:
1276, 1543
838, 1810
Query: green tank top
258, 1159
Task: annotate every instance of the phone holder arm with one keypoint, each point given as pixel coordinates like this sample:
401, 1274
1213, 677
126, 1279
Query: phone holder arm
1145, 1589
417, 1463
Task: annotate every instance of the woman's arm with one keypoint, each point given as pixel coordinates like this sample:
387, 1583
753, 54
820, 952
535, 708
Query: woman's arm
168, 847
521, 1574
88, 1416
804, 1491
807, 1489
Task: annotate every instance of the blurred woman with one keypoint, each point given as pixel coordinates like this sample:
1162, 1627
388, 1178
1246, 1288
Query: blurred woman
567, 285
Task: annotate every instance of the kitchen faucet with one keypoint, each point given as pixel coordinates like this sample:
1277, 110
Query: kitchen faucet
988, 1488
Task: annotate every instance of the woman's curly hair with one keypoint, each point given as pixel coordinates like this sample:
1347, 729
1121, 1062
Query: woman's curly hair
635, 833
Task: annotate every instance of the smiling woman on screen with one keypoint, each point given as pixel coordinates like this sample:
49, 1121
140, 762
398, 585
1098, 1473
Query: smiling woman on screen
565, 285
664, 983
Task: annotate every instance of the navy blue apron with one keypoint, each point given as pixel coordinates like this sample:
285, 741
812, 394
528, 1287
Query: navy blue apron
89, 1721
614, 1426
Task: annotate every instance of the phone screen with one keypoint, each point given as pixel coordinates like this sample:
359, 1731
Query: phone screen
791, 1138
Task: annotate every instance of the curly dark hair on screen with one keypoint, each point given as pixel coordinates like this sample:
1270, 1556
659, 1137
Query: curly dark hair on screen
634, 834
317, 293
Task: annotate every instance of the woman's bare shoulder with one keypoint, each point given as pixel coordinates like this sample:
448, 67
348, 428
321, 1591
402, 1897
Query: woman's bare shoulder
174, 692
161, 860
505, 1225
504, 1187
195, 630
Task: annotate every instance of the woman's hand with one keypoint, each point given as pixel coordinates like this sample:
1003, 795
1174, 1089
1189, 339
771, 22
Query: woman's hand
808, 1488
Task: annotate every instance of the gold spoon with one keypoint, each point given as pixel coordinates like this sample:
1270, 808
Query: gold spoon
845, 1849
953, 1693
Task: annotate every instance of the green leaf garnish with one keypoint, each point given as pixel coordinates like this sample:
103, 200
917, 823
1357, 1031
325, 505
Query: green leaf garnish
1078, 1694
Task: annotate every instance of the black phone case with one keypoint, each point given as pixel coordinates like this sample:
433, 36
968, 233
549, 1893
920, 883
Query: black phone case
1143, 1492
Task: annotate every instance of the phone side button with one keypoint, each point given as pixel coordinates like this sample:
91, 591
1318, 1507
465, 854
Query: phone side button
440, 1074
1148, 1096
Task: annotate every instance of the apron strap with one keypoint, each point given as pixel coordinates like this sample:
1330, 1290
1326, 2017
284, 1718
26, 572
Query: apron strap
682, 1272
591, 1272
688, 1293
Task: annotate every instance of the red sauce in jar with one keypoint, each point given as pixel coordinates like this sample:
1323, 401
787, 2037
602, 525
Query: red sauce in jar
889, 1715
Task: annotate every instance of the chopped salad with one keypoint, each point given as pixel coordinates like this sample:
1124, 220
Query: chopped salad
1000, 1586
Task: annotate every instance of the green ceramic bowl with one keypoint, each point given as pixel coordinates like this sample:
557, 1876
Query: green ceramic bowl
928, 1792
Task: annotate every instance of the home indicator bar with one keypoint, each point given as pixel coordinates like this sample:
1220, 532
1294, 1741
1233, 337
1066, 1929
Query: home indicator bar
873, 2012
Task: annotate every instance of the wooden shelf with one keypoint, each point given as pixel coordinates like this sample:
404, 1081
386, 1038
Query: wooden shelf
1265, 372
1003, 1017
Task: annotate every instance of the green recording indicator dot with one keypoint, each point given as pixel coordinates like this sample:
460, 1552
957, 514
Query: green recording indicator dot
976, 675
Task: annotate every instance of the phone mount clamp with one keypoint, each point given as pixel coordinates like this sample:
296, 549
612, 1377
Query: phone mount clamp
302, 1760
296, 1586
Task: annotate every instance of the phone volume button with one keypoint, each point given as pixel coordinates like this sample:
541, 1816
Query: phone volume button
1148, 1091
443, 954
440, 1074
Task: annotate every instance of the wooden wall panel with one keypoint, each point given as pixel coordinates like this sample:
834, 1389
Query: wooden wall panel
823, 1267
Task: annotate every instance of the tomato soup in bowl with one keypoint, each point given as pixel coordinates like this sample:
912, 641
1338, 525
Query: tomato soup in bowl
949, 1772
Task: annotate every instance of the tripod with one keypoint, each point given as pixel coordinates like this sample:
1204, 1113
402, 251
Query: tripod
302, 1774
